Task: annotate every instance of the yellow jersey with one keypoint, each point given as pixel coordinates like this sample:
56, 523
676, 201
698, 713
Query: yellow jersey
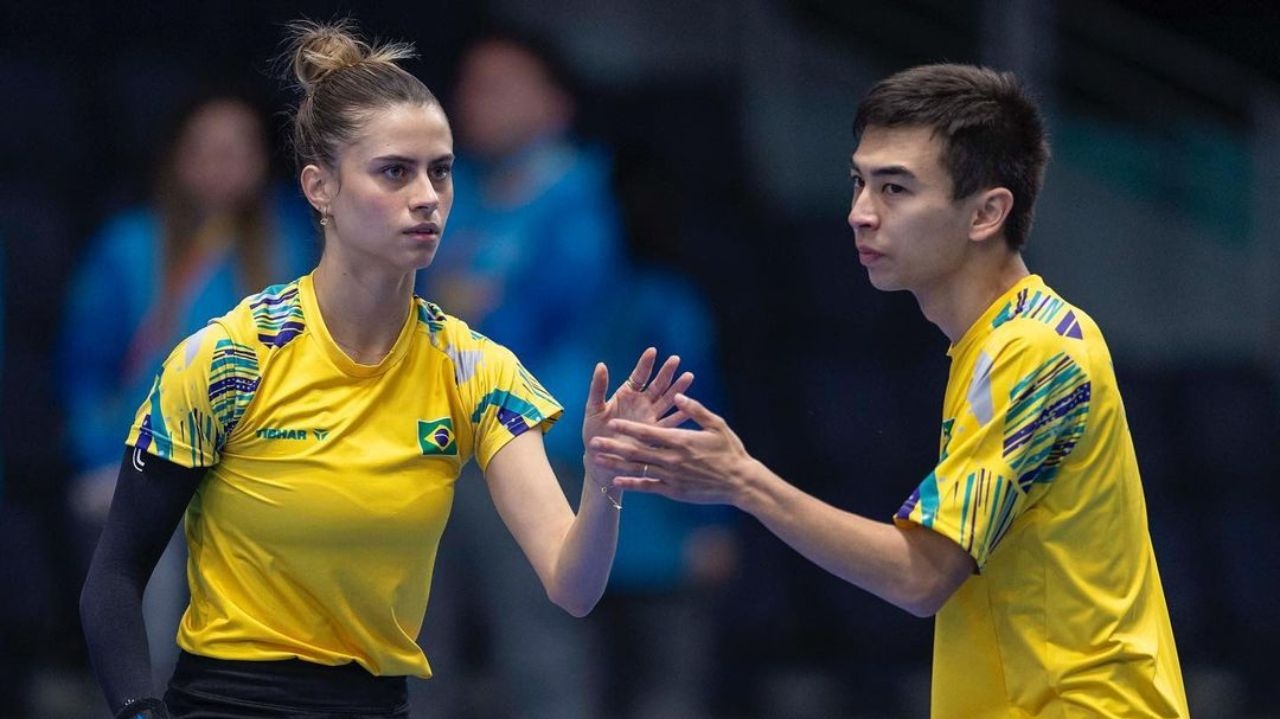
1037, 480
314, 533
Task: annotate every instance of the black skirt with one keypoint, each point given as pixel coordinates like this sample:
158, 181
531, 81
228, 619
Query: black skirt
204, 688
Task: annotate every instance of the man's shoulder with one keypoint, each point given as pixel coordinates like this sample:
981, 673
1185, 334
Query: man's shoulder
1037, 315
1038, 331
1036, 305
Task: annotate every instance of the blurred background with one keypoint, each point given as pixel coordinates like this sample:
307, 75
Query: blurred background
691, 191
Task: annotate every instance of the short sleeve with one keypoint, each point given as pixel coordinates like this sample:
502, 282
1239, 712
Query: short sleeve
503, 399
197, 398
1026, 407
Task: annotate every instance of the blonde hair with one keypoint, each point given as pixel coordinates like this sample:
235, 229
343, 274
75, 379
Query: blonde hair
343, 80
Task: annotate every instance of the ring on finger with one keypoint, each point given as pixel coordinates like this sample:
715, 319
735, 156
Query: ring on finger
645, 472
635, 385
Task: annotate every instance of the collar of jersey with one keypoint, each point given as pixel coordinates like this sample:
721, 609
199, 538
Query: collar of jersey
348, 366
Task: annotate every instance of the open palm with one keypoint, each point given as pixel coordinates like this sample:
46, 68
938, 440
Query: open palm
638, 399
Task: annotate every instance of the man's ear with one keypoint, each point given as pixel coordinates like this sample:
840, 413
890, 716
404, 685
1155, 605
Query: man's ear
990, 211
319, 186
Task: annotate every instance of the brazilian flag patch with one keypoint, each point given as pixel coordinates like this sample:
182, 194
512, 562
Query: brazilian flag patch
435, 437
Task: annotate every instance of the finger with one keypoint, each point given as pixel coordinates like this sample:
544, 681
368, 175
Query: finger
644, 484
660, 383
698, 412
619, 454
644, 367
681, 385
595, 394
649, 434
620, 466
613, 464
615, 446
675, 419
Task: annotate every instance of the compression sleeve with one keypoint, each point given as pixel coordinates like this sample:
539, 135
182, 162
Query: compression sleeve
150, 498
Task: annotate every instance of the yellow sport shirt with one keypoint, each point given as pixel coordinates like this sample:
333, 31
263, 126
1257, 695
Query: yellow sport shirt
314, 533
1038, 482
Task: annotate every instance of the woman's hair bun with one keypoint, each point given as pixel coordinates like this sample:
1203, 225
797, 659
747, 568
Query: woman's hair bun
316, 50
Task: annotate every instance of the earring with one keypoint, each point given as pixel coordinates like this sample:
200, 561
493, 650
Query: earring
324, 220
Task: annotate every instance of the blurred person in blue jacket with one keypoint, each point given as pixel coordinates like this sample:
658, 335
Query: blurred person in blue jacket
658, 625
214, 230
538, 243
536, 252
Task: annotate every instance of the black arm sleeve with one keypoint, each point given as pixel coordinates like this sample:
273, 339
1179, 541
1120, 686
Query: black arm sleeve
150, 498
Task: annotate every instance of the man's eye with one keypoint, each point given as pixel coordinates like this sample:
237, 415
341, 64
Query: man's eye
857, 181
892, 189
440, 172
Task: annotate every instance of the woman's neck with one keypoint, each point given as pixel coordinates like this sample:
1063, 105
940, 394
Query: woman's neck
364, 311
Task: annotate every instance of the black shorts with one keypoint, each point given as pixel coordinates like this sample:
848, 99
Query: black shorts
204, 688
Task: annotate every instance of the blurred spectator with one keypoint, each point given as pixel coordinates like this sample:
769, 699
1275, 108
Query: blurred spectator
658, 631
214, 231
531, 254
659, 625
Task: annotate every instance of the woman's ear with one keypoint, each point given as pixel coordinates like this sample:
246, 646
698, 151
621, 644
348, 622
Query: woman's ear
319, 187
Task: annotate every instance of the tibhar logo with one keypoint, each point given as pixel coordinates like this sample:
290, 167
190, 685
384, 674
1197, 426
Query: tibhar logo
281, 433
321, 434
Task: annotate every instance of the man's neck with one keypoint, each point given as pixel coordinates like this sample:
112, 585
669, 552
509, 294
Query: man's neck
957, 303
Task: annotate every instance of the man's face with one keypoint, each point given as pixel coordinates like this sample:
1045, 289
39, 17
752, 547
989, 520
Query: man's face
909, 232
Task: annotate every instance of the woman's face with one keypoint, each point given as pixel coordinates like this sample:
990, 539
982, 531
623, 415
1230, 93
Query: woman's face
393, 188
221, 157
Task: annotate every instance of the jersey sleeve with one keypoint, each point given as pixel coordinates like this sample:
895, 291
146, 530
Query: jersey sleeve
1026, 408
503, 400
197, 398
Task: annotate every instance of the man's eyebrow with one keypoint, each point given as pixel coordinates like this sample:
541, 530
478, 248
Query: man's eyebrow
893, 171
886, 171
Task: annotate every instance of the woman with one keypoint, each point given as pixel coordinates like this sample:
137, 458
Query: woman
313, 435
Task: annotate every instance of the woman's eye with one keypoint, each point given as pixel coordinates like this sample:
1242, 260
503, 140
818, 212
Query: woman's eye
394, 172
440, 172
892, 189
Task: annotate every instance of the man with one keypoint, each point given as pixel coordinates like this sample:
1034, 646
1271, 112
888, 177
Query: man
1029, 539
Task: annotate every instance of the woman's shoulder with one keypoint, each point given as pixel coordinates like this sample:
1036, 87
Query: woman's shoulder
440, 325
450, 333
267, 319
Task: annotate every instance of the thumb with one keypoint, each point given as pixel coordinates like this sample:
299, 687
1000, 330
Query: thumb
595, 394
